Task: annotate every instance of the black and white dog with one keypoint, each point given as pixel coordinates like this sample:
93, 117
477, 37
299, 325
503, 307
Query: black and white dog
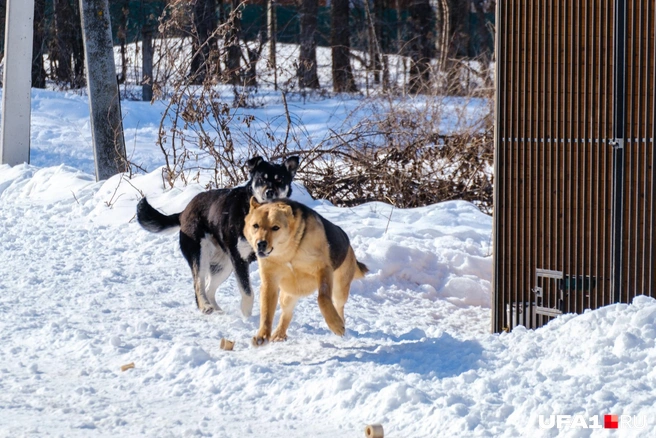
212, 229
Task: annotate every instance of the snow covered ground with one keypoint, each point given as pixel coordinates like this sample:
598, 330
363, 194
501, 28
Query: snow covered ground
84, 290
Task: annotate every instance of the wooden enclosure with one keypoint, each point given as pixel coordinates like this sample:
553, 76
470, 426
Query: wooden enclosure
574, 157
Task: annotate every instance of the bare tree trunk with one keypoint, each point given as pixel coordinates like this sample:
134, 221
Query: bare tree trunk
457, 44
66, 48
307, 59
271, 34
61, 52
147, 63
233, 55
123, 40
340, 41
3, 15
374, 16
205, 61
254, 54
421, 46
104, 105
38, 45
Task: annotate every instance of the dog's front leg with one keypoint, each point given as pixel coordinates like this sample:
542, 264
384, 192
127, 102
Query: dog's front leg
287, 304
334, 321
268, 299
240, 264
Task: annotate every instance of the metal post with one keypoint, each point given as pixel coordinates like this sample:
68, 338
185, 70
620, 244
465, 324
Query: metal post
496, 321
618, 149
17, 82
106, 123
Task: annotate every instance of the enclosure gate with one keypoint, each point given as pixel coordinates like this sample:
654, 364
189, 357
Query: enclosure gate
574, 157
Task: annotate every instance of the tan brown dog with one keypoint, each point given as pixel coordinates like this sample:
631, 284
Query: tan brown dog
298, 252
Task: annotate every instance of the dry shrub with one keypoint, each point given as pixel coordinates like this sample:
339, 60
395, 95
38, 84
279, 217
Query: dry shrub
452, 167
397, 155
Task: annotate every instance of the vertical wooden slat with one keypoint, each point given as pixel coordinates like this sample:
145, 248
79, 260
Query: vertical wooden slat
512, 249
628, 261
640, 158
532, 171
644, 133
652, 146
522, 171
568, 138
606, 147
585, 159
550, 213
576, 150
595, 145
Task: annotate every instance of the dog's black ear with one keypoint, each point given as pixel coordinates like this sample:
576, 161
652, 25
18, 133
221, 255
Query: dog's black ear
291, 164
253, 162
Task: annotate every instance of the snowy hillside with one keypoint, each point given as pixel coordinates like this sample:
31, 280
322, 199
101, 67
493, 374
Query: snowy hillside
84, 290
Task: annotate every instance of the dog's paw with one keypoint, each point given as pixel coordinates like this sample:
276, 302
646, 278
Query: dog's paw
338, 328
258, 341
247, 305
208, 309
278, 336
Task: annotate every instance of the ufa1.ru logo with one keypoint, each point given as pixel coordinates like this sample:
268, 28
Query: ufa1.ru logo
594, 422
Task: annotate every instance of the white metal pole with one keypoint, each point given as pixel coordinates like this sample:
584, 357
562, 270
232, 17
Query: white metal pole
17, 82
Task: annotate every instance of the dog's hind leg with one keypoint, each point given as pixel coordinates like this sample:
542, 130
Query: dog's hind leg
219, 274
220, 270
198, 256
341, 291
334, 321
240, 261
342, 283
287, 305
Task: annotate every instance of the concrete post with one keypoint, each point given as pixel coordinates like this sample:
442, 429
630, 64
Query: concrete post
104, 105
16, 84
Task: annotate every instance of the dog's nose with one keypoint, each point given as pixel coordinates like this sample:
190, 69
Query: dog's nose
261, 245
269, 194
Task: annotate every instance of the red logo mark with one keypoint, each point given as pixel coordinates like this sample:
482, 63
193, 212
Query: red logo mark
610, 421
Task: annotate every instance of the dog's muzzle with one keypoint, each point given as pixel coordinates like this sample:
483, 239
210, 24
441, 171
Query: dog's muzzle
269, 194
261, 249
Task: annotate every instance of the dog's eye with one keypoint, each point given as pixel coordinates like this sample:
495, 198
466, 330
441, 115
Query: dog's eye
256, 226
277, 177
275, 228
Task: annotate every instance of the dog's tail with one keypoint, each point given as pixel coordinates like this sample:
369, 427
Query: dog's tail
362, 269
154, 221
